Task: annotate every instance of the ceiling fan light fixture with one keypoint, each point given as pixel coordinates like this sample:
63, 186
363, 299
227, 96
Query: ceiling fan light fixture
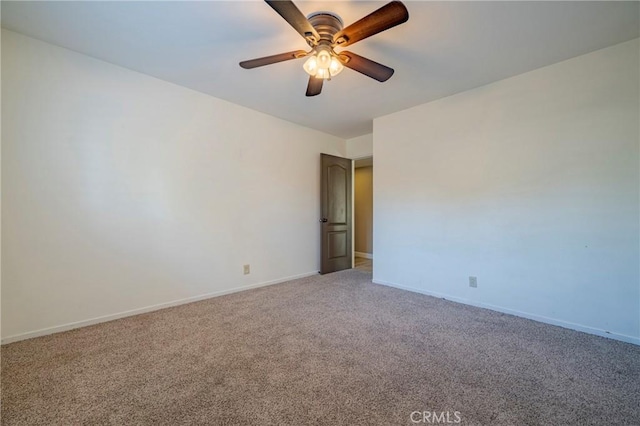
323, 64
336, 66
311, 65
324, 58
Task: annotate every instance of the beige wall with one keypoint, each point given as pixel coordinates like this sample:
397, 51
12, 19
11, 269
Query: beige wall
124, 193
364, 210
529, 184
360, 147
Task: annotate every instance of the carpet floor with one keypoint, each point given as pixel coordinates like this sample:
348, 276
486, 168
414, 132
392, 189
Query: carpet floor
324, 350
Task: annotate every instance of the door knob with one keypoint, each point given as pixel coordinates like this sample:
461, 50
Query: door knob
324, 220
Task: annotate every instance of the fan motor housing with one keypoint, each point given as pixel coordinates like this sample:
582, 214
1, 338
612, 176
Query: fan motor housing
326, 24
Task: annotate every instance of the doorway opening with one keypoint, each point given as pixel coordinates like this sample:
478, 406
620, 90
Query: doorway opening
363, 214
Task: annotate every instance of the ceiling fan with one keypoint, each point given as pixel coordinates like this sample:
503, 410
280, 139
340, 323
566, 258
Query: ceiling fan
324, 32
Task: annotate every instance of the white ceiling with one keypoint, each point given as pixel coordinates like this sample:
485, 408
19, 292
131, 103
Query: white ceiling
444, 48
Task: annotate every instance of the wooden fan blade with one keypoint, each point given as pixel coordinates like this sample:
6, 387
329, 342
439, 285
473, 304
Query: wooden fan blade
295, 18
388, 16
366, 66
267, 60
315, 86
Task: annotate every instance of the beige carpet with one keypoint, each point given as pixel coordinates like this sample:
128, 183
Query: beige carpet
329, 350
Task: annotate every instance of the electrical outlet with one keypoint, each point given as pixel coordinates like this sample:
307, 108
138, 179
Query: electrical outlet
247, 269
473, 282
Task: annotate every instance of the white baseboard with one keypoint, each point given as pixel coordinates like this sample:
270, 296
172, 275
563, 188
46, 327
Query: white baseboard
539, 318
111, 317
362, 254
